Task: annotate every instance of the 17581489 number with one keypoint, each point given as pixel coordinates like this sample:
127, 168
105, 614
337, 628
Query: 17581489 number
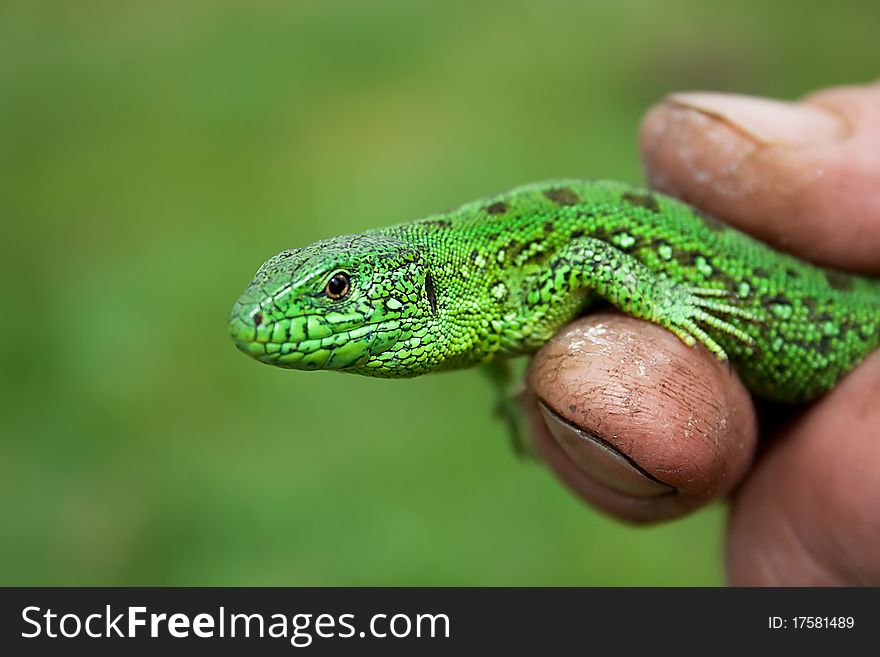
811, 622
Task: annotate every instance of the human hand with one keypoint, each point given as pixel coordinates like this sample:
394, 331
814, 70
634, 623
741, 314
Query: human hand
647, 429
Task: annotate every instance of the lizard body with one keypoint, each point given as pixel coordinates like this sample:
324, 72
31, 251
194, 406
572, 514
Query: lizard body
499, 276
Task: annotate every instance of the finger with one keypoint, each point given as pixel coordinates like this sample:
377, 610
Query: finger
636, 422
808, 514
802, 176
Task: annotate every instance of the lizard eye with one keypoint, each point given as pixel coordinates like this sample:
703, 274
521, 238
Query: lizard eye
338, 286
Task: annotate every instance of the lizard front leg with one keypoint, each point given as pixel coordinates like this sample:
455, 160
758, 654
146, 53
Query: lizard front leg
500, 374
689, 312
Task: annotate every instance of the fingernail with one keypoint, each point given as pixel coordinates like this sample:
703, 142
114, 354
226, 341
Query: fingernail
600, 460
766, 121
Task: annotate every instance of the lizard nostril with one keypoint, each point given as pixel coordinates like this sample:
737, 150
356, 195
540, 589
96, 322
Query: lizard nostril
258, 318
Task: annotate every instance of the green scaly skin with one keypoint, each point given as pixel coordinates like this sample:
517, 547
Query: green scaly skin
498, 277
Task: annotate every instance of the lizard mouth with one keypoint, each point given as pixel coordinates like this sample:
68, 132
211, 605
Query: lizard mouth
307, 342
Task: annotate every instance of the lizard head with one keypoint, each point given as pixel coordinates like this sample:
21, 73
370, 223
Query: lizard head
336, 304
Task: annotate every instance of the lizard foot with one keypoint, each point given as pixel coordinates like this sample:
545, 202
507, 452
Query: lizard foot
687, 310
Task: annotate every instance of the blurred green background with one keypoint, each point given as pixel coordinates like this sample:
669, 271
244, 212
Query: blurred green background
153, 154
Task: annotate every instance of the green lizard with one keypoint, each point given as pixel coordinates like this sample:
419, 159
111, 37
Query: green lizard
498, 277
